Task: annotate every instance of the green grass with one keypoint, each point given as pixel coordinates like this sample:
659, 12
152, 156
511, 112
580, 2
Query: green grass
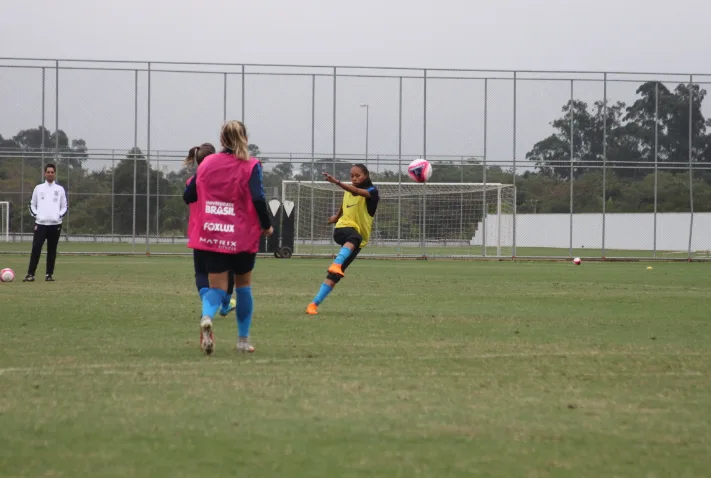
414, 368
474, 251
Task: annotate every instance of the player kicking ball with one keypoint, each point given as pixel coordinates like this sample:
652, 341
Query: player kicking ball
354, 222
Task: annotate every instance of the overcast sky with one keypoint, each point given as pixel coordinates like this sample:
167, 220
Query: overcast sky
622, 35
648, 35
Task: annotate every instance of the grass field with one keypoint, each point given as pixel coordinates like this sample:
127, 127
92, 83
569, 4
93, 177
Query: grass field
412, 369
473, 251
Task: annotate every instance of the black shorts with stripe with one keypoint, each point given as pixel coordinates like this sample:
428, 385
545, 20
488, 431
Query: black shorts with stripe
217, 262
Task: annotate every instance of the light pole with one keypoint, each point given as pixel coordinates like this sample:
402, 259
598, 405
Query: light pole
367, 119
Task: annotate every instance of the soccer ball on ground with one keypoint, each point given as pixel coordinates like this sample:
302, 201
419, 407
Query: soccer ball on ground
420, 170
7, 275
576, 261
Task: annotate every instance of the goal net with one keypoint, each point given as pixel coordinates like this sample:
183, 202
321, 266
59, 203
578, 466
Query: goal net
4, 221
432, 219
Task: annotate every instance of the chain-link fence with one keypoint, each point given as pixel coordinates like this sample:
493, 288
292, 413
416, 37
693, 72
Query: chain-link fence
599, 164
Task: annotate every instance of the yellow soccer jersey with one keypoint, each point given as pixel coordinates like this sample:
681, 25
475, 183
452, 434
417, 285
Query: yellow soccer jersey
358, 213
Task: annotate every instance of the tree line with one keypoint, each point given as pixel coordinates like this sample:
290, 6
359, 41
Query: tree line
655, 127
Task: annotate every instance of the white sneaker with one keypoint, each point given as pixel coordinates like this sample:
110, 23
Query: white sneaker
244, 347
207, 339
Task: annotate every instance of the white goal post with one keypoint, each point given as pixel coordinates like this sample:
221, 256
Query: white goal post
413, 219
4, 221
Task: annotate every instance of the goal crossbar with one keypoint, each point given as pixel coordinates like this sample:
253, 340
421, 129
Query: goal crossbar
395, 189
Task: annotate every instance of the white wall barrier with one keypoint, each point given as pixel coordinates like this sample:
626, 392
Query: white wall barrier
626, 231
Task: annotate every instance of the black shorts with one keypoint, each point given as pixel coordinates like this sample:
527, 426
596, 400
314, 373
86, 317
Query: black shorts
342, 235
198, 262
347, 234
217, 262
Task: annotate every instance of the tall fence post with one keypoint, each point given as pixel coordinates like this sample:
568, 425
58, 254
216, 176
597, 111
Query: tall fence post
56, 113
56, 141
513, 247
148, 167
424, 155
22, 197
243, 90
485, 213
604, 161
691, 169
135, 159
335, 76
572, 153
399, 167
656, 163
69, 192
113, 192
157, 195
44, 129
313, 153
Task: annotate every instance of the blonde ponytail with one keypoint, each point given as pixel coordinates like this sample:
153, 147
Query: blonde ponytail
234, 137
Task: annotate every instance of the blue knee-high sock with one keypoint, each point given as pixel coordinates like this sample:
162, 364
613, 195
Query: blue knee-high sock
322, 293
342, 255
245, 307
211, 302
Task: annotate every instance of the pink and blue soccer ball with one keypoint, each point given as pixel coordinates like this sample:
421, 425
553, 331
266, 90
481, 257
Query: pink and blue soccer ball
420, 170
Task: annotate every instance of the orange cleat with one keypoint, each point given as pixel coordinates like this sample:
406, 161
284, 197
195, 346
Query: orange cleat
336, 269
312, 309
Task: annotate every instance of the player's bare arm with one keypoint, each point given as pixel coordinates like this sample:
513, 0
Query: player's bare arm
351, 189
334, 219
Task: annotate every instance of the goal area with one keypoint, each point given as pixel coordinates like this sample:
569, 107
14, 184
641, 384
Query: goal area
4, 221
413, 219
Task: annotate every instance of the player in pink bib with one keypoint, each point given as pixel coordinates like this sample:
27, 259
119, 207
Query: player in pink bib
230, 218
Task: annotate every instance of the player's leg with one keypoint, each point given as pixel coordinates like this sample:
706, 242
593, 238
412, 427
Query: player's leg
229, 302
201, 282
53, 233
347, 238
38, 238
243, 266
351, 258
331, 280
350, 240
217, 266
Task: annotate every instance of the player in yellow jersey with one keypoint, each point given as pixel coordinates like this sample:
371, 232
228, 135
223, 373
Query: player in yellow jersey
354, 222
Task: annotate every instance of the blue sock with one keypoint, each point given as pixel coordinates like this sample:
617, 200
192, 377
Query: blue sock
322, 294
211, 302
342, 255
226, 301
202, 292
245, 307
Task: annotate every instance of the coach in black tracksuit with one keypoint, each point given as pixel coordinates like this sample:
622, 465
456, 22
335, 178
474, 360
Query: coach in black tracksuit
48, 206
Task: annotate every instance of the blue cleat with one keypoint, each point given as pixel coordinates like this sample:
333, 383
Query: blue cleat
226, 310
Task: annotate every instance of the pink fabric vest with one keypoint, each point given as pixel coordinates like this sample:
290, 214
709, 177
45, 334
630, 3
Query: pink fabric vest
225, 218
